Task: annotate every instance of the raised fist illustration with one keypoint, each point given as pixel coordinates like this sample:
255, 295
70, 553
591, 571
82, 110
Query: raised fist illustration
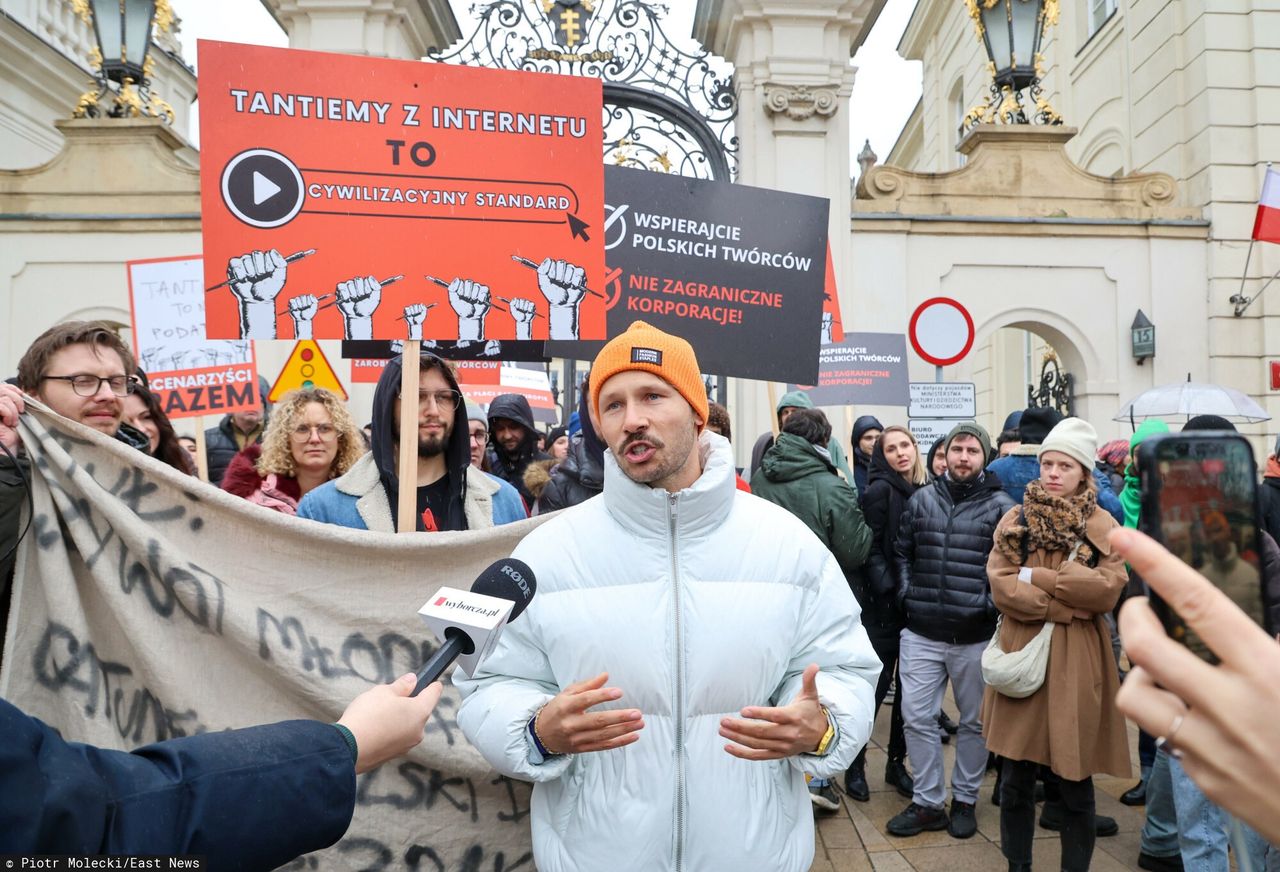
302, 309
414, 315
523, 311
357, 301
258, 276
562, 283
471, 301
828, 321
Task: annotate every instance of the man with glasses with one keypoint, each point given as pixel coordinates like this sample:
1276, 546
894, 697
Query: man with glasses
450, 496
79, 369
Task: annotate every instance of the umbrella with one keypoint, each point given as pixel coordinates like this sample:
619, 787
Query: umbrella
1183, 400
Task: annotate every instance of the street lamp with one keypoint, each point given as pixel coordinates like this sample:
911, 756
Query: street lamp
1011, 32
122, 29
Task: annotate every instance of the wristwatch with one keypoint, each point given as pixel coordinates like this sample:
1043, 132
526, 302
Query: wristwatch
828, 737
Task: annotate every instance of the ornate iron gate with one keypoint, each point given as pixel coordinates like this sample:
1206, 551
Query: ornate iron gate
1056, 388
666, 108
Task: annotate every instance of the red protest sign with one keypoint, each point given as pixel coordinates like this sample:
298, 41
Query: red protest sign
352, 197
188, 374
832, 325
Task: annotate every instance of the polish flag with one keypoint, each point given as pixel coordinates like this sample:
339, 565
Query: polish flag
1266, 227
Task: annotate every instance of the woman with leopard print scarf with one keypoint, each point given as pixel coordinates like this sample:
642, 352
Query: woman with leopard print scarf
1052, 563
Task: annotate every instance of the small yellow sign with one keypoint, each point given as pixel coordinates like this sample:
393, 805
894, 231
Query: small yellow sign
307, 367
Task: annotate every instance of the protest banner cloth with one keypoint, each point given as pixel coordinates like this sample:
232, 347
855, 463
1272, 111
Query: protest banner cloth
133, 621
737, 271
349, 197
868, 369
189, 374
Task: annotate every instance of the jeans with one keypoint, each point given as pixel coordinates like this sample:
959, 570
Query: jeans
1202, 830
923, 668
1160, 832
1018, 816
886, 648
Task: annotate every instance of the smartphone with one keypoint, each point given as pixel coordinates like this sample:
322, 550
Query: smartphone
1200, 500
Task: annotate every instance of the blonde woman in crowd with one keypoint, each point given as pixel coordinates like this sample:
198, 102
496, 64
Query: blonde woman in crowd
310, 439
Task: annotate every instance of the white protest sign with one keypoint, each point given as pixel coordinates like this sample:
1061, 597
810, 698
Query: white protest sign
189, 374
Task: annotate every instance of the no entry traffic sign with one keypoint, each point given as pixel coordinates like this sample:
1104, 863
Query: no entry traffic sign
941, 331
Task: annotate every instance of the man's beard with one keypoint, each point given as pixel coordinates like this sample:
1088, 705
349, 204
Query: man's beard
432, 446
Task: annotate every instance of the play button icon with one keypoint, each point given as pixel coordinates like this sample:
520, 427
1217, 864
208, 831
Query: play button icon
262, 188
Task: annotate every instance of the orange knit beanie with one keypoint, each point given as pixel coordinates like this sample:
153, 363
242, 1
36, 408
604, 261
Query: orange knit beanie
647, 348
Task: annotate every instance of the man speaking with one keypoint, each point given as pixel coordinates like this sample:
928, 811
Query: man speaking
692, 654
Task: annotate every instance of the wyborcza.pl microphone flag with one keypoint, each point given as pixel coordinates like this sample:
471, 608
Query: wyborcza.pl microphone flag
148, 605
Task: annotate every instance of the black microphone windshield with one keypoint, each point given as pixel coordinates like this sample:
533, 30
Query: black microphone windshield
508, 579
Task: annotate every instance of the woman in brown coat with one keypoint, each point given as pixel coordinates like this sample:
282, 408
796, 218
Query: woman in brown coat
1069, 577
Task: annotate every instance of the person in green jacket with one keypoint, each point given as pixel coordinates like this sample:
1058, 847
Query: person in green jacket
797, 473
791, 402
1131, 496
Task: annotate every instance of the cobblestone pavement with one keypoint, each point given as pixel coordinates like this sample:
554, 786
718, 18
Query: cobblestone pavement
854, 839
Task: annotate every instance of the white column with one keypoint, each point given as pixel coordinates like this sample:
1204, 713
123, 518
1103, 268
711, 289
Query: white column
381, 28
794, 80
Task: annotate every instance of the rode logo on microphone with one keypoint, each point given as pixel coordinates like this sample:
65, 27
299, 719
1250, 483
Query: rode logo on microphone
456, 605
515, 576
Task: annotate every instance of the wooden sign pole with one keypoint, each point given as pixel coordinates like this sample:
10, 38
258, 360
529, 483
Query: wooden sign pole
407, 508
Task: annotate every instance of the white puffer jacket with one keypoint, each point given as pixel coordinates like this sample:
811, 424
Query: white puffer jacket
696, 604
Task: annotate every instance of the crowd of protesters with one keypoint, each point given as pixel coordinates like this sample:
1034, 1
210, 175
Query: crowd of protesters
948, 549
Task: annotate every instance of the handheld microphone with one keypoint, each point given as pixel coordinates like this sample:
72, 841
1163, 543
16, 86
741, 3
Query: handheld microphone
470, 622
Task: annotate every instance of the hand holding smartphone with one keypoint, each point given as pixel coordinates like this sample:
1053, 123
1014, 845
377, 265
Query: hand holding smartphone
1199, 499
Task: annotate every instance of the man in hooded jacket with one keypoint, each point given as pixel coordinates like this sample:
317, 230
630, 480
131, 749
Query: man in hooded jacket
366, 497
863, 439
514, 440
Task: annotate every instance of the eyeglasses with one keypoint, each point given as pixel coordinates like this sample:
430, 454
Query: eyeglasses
480, 436
86, 385
303, 432
443, 399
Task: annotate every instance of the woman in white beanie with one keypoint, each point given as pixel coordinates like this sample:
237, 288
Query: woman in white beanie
1052, 564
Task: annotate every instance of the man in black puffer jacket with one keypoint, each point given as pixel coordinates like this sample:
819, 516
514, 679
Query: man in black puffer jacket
580, 476
940, 561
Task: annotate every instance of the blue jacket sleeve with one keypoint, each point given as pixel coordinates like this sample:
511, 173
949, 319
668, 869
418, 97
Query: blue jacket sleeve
1107, 497
245, 799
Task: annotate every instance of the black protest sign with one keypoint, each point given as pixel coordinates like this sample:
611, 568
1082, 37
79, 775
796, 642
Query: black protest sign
868, 369
492, 349
737, 271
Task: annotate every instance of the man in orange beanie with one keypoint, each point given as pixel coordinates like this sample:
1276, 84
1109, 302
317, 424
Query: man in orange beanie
687, 638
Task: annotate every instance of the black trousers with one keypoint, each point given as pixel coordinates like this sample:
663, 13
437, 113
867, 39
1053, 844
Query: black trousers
1018, 816
886, 648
